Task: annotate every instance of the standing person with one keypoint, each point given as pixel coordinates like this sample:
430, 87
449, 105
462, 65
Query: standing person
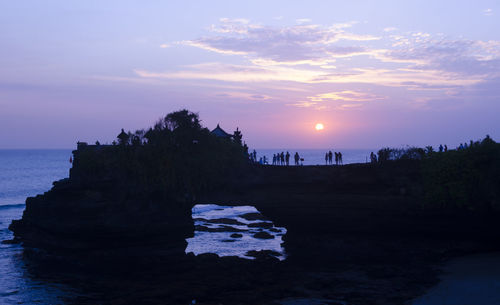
287, 158
445, 148
336, 158
340, 159
330, 156
282, 157
440, 148
254, 153
326, 158
296, 157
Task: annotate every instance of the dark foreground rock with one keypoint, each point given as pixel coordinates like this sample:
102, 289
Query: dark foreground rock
353, 237
264, 225
73, 218
263, 235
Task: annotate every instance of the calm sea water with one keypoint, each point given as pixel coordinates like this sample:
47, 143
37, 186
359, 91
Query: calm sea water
26, 173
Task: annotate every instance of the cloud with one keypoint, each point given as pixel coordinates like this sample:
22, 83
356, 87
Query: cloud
461, 57
305, 59
345, 96
488, 12
244, 96
289, 45
164, 46
390, 29
278, 73
303, 20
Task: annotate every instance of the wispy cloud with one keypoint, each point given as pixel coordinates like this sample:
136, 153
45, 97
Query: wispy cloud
299, 44
308, 56
345, 96
303, 20
488, 12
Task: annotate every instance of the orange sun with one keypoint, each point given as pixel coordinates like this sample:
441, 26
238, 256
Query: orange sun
319, 126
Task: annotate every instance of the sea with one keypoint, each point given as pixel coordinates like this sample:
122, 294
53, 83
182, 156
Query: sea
25, 173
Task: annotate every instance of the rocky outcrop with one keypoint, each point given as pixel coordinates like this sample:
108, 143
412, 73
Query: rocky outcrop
80, 218
356, 233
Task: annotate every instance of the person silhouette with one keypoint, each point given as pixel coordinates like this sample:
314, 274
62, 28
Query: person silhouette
287, 158
282, 157
330, 156
336, 158
296, 157
326, 158
340, 158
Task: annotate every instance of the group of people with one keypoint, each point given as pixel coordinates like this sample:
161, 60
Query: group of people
284, 159
445, 148
281, 158
329, 158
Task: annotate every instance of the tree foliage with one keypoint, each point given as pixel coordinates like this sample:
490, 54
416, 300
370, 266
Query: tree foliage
175, 159
464, 178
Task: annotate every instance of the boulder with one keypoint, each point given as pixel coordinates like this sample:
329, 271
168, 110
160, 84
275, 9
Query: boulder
263, 235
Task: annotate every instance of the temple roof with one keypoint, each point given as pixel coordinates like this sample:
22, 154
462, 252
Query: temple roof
219, 132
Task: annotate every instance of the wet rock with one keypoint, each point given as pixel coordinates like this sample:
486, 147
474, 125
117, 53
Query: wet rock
207, 257
274, 230
263, 235
236, 235
219, 229
253, 216
264, 255
200, 219
264, 225
226, 221
10, 241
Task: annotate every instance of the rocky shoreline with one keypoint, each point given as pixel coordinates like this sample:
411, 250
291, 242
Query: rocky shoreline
356, 234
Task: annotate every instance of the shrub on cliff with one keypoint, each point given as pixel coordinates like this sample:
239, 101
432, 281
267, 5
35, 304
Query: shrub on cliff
177, 158
466, 178
392, 154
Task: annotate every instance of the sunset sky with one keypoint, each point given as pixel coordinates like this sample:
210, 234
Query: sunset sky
374, 73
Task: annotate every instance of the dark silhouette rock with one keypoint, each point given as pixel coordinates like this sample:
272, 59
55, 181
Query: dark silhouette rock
10, 241
223, 228
227, 221
262, 253
263, 235
236, 235
264, 225
253, 216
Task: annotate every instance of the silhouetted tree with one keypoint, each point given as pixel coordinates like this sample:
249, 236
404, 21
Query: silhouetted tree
237, 136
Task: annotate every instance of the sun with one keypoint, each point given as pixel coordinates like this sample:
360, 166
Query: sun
319, 126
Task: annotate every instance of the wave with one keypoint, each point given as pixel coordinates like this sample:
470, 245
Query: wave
12, 206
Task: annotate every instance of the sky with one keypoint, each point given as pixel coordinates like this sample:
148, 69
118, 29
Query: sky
374, 73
